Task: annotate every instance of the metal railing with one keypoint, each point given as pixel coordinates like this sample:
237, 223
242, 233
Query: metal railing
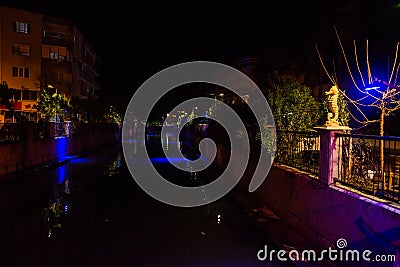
370, 164
11, 132
17, 132
299, 150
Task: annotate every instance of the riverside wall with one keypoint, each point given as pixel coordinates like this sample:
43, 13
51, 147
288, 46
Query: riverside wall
321, 214
310, 214
31, 153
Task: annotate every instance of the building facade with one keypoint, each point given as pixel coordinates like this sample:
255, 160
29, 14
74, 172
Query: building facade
40, 52
252, 67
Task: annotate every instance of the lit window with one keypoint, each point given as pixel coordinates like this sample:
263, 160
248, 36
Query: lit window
53, 55
22, 27
55, 52
21, 49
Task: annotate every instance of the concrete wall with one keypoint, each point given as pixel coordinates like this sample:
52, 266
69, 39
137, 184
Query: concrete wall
323, 214
314, 214
21, 156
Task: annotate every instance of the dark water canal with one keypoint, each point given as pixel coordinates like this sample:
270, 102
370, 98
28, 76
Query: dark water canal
90, 212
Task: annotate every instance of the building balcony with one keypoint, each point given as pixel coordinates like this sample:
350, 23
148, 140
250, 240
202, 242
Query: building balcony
65, 42
59, 62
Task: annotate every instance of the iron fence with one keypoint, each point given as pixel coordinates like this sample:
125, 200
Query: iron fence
17, 132
299, 150
12, 132
370, 164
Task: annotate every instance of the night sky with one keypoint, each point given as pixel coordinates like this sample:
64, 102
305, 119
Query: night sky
136, 41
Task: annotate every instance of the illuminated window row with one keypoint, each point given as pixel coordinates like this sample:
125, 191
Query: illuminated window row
55, 52
22, 27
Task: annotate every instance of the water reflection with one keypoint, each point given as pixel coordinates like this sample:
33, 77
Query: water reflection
53, 215
113, 167
169, 139
68, 183
90, 212
61, 174
157, 142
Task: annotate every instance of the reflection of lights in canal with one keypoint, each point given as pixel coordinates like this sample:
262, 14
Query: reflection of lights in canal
79, 160
61, 174
164, 160
113, 167
61, 148
130, 141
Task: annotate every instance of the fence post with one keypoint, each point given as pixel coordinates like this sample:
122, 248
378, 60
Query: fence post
329, 160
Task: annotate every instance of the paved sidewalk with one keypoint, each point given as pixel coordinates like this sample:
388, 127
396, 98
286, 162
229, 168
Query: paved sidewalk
286, 237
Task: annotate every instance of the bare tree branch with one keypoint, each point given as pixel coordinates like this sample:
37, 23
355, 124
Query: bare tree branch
368, 65
347, 62
358, 66
323, 65
394, 63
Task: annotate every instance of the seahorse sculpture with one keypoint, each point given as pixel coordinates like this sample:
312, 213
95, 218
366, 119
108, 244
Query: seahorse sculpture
333, 114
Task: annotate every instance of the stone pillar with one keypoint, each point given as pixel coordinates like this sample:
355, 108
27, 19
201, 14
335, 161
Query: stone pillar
329, 160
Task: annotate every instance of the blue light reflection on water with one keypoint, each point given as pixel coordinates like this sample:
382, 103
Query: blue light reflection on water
79, 160
164, 160
61, 173
130, 141
61, 148
84, 194
61, 152
62, 169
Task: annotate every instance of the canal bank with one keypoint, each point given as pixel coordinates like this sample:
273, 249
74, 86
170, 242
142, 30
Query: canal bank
301, 212
28, 152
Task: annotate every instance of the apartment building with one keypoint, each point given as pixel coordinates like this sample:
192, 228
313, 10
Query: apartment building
42, 52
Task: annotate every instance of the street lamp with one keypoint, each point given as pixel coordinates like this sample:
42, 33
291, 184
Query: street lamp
52, 87
376, 84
